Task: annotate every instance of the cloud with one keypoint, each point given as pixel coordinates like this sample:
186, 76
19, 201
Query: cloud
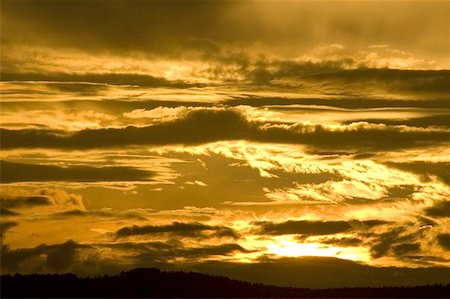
7, 212
306, 227
426, 169
439, 210
342, 242
25, 201
40, 197
103, 213
340, 76
285, 27
354, 102
312, 272
406, 248
20, 172
52, 258
248, 50
444, 241
344, 76
83, 259
441, 120
194, 229
265, 90
56, 80
396, 242
209, 125
5, 226
172, 250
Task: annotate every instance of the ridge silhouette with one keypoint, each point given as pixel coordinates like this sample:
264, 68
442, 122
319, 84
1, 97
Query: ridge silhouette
151, 282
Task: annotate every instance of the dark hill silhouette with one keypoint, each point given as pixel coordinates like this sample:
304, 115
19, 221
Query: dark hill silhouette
152, 282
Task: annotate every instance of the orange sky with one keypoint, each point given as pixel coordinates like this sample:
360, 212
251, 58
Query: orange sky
222, 136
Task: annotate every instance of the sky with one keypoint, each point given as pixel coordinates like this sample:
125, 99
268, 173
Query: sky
295, 143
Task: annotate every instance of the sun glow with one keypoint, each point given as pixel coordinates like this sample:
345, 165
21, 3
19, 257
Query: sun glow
293, 249
290, 248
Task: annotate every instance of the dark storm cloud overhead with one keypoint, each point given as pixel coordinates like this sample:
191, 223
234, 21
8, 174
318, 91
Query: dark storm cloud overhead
194, 229
426, 169
106, 78
209, 125
305, 227
161, 27
12, 172
440, 209
176, 27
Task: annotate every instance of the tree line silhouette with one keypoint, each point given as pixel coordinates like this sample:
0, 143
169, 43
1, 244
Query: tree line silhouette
150, 283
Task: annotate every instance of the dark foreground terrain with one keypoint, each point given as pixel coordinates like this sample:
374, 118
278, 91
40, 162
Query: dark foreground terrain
155, 283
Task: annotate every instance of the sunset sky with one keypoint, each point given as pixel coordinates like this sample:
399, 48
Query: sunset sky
298, 143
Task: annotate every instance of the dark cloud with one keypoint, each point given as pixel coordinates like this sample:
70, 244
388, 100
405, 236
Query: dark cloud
95, 25
21, 172
193, 229
406, 248
25, 201
40, 197
335, 75
306, 227
85, 259
7, 212
395, 242
4, 226
342, 242
99, 213
444, 241
83, 89
425, 169
118, 107
60, 258
119, 26
208, 125
89, 89
51, 258
440, 209
311, 272
355, 102
108, 106
424, 122
328, 76
163, 253
410, 81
